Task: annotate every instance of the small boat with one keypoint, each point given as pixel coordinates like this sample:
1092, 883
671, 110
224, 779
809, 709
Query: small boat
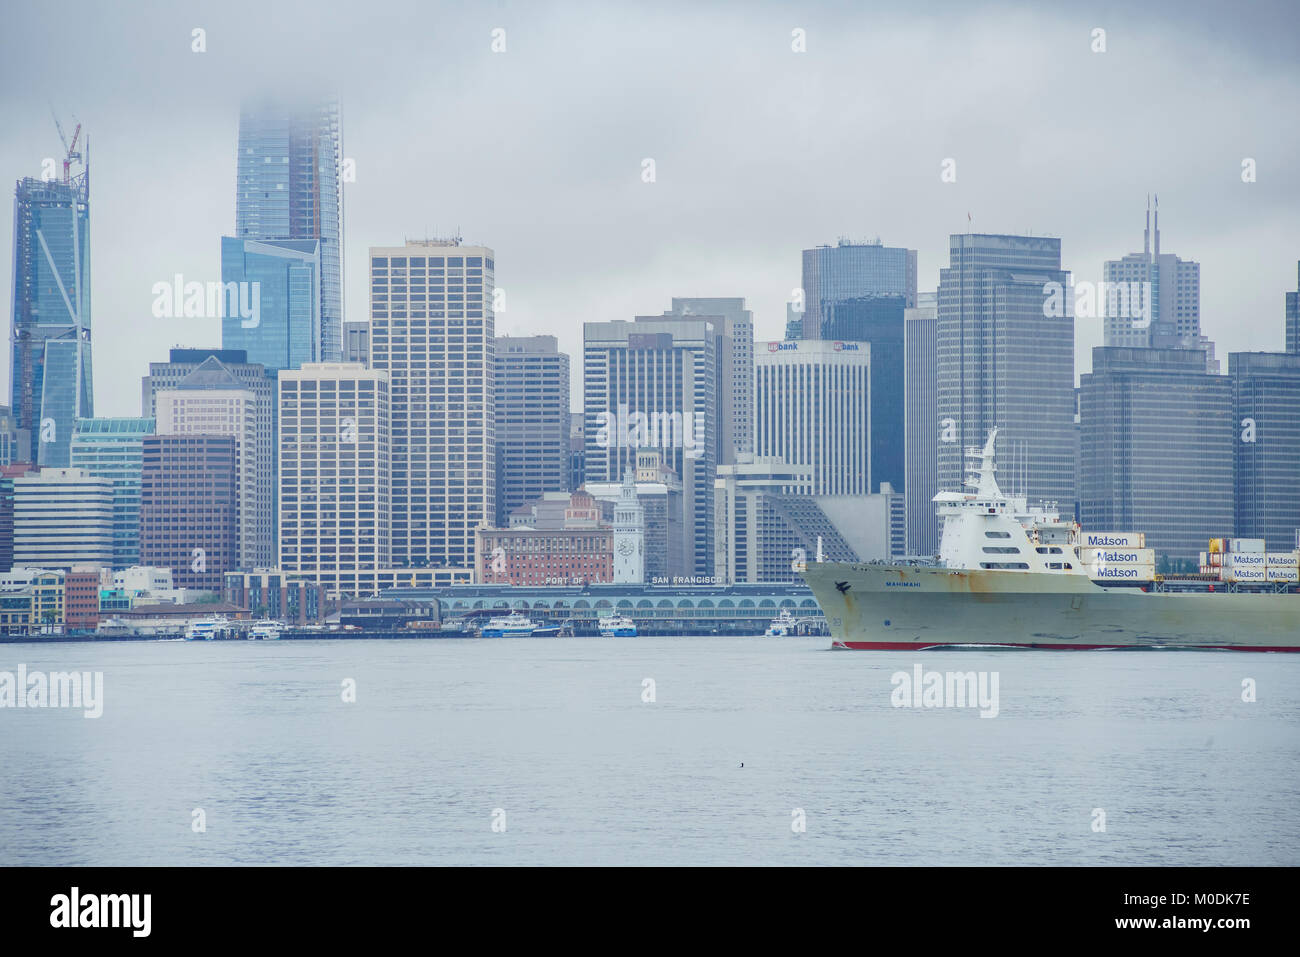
782, 626
265, 631
513, 625
617, 626
546, 631
204, 629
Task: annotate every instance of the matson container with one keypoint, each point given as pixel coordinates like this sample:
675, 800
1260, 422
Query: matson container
1249, 545
1117, 556
1281, 559
1245, 560
1122, 573
1275, 574
1113, 539
1250, 573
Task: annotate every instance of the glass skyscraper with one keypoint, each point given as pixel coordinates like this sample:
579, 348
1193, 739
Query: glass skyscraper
1156, 448
50, 379
289, 188
1266, 415
114, 449
1293, 316
286, 328
1002, 362
849, 270
879, 321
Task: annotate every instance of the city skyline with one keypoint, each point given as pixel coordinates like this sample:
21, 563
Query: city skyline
697, 229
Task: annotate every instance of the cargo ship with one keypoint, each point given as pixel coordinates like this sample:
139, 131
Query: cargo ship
1012, 576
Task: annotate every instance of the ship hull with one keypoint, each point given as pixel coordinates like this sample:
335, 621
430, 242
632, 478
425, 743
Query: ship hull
906, 608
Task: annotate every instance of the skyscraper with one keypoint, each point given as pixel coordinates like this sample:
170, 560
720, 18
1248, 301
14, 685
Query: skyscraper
431, 330
279, 281
210, 401
1156, 456
1293, 315
655, 383
335, 482
288, 187
189, 508
879, 321
50, 377
532, 421
813, 408
1266, 418
849, 270
921, 426
736, 328
1157, 302
227, 369
114, 449
1002, 362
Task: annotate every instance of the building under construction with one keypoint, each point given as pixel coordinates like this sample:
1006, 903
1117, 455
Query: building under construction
50, 379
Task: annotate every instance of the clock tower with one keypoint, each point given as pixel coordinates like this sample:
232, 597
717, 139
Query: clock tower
629, 534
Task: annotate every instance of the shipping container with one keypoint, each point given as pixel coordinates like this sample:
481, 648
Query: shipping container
1249, 545
1129, 573
1117, 556
1218, 545
1245, 560
1281, 559
1113, 539
1291, 574
1257, 573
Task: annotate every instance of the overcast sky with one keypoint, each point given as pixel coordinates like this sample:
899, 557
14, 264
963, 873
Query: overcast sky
760, 151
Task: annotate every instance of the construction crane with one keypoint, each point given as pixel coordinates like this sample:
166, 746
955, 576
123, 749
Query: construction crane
70, 150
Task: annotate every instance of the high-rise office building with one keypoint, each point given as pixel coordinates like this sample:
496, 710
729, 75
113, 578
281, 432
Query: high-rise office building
62, 518
736, 352
289, 187
1293, 315
878, 321
813, 408
532, 421
225, 370
431, 330
335, 480
655, 384
922, 428
850, 270
50, 376
114, 449
210, 401
1002, 362
1156, 455
189, 508
1266, 417
277, 283
1156, 298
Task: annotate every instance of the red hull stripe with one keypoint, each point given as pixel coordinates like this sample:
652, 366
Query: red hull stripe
923, 646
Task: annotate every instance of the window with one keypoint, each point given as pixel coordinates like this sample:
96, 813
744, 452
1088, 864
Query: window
997, 534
